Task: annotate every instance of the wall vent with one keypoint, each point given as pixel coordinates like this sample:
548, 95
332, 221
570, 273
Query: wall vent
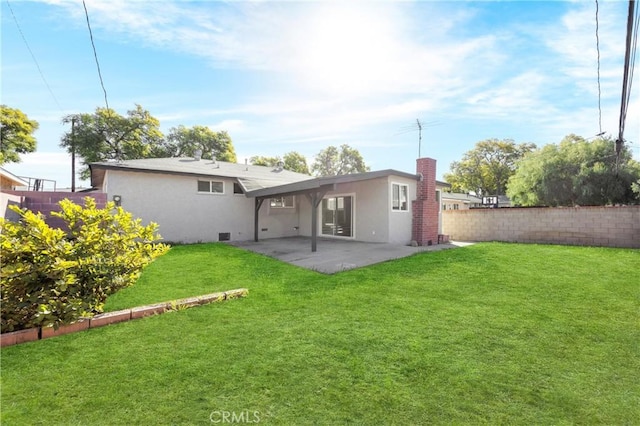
224, 236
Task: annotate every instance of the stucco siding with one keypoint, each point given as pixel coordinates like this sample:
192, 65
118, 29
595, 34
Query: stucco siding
400, 221
372, 213
7, 200
184, 215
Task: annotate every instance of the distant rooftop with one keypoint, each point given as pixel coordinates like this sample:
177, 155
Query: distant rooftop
461, 197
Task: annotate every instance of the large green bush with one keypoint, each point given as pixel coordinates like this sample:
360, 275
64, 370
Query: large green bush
54, 276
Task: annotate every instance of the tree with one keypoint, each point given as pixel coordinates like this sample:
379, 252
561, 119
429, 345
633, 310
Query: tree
106, 135
183, 142
332, 161
485, 170
296, 162
575, 172
259, 160
16, 134
52, 277
293, 161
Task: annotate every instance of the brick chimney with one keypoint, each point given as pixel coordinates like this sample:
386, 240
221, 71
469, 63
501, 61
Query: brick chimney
425, 206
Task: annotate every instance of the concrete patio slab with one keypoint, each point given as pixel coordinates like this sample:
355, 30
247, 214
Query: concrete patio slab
334, 255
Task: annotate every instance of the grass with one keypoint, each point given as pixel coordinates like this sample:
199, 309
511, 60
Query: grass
491, 333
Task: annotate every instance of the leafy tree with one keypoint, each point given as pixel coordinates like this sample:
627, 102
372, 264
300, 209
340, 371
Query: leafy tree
485, 170
293, 161
184, 141
106, 135
260, 160
575, 172
51, 277
332, 161
16, 134
635, 187
296, 162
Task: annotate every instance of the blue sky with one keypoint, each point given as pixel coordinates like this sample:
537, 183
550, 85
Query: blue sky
300, 76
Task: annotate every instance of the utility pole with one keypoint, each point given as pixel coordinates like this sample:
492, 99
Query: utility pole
419, 137
73, 154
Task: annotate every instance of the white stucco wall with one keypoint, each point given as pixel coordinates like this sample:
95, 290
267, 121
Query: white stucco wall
5, 201
373, 219
400, 222
184, 215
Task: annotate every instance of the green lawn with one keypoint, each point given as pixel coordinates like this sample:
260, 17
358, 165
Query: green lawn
490, 333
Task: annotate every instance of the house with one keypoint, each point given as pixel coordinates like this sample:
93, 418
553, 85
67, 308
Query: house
457, 201
10, 182
194, 200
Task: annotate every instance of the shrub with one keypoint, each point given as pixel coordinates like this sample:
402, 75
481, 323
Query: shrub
52, 277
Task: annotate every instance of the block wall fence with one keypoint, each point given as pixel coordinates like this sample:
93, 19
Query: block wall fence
46, 202
585, 226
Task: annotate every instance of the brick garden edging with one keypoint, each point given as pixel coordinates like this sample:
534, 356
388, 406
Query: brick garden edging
31, 334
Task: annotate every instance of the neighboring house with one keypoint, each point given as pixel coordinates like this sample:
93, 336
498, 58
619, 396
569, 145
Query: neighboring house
11, 182
456, 201
203, 200
30, 193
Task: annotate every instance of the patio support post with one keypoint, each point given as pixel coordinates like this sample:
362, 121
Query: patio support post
255, 218
314, 222
315, 198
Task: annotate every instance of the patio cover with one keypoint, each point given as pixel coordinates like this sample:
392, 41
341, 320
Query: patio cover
314, 190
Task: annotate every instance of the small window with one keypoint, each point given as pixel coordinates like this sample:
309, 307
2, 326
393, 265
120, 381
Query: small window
237, 189
282, 202
210, 187
399, 197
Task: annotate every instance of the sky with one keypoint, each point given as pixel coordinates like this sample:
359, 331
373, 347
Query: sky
301, 76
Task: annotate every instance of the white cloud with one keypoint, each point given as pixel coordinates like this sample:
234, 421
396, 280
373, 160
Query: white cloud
344, 70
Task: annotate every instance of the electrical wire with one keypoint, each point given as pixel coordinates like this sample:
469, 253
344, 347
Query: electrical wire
15, 19
95, 54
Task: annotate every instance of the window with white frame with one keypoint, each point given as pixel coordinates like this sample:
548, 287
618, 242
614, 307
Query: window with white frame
282, 202
399, 197
210, 187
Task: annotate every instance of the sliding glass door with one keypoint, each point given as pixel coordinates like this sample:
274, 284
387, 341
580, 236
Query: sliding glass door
337, 216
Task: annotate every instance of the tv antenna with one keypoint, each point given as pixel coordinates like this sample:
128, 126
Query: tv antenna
419, 126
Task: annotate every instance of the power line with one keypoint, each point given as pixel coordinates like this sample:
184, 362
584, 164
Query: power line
629, 65
33, 57
599, 91
95, 54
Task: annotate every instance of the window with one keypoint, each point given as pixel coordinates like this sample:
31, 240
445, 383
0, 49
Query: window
237, 189
210, 187
282, 202
399, 197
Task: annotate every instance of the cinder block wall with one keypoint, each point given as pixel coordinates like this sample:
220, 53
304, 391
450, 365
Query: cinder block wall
590, 226
46, 202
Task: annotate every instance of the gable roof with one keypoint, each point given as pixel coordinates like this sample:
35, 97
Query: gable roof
249, 176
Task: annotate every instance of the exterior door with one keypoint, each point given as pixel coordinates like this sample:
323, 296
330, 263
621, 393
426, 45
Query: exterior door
337, 216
